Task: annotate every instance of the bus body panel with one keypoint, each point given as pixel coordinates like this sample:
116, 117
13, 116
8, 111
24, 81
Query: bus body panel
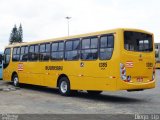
141, 75
139, 67
95, 74
88, 75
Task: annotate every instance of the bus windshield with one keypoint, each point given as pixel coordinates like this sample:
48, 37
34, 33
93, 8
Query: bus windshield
139, 42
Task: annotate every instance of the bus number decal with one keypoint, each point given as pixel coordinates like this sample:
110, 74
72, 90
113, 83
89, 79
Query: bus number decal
103, 65
53, 67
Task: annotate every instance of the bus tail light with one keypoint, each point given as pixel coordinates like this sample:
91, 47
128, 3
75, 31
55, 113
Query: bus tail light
123, 72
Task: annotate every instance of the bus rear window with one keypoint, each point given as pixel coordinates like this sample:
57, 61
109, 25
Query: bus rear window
136, 41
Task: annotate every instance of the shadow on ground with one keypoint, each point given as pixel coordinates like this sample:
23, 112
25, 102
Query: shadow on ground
83, 95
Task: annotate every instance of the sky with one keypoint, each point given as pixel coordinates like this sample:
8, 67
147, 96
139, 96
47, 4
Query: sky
45, 19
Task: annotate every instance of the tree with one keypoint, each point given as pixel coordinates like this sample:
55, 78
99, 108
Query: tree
16, 35
20, 34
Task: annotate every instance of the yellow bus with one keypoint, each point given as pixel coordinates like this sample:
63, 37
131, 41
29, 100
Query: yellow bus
157, 54
111, 60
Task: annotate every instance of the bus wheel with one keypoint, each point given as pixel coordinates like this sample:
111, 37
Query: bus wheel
15, 80
94, 92
64, 86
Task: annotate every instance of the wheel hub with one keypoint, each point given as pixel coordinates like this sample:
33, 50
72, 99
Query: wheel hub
63, 86
15, 81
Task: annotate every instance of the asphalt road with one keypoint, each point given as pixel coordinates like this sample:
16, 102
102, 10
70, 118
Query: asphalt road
34, 99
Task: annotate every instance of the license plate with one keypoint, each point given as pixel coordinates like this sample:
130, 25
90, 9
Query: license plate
139, 79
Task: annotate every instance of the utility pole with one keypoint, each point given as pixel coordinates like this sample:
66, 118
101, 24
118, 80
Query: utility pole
68, 18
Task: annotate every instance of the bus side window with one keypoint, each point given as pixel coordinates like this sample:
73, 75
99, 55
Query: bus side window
89, 48
57, 50
36, 52
72, 49
25, 57
16, 54
33, 54
44, 52
106, 47
24, 53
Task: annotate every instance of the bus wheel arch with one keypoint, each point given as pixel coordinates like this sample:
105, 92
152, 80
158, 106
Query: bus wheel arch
61, 76
63, 84
15, 79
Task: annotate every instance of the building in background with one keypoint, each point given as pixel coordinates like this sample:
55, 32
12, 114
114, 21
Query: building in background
1, 64
157, 54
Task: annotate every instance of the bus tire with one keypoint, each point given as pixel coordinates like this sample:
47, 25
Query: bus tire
94, 92
64, 86
15, 80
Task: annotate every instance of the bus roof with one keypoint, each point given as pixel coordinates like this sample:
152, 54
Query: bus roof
78, 36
